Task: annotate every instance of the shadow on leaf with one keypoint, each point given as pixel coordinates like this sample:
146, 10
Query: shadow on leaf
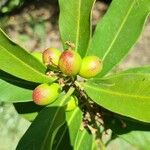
42, 132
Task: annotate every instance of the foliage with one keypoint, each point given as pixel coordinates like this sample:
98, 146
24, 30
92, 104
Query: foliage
119, 102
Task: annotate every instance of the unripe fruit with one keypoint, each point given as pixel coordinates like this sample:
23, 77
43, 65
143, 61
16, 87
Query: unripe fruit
90, 67
51, 57
37, 55
70, 62
45, 94
72, 104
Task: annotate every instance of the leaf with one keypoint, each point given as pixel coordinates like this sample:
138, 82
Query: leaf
135, 133
84, 140
143, 69
118, 31
18, 62
40, 134
28, 110
121, 144
125, 94
17, 81
68, 132
139, 139
75, 23
81, 138
12, 93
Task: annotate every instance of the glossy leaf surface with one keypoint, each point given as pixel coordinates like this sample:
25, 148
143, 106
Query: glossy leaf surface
125, 94
12, 93
39, 134
136, 133
143, 69
118, 31
18, 62
47, 123
75, 23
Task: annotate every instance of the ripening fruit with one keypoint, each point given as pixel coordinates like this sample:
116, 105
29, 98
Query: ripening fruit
90, 67
45, 94
37, 55
51, 57
72, 104
70, 62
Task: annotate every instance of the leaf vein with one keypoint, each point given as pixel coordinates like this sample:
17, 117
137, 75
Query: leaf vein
119, 94
119, 30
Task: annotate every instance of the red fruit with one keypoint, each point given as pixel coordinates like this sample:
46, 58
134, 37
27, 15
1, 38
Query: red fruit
45, 94
70, 62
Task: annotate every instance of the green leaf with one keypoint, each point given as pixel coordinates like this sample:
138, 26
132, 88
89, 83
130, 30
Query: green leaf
28, 110
42, 131
68, 132
18, 62
125, 94
118, 31
143, 69
39, 134
75, 23
121, 144
139, 139
78, 138
17, 81
135, 133
12, 93
84, 140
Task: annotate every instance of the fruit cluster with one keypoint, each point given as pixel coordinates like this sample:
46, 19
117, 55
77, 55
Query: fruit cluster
69, 63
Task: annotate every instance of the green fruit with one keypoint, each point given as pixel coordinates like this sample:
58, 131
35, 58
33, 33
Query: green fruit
72, 104
90, 67
70, 62
37, 55
51, 57
45, 94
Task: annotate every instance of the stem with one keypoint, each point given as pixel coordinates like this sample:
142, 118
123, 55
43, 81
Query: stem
98, 134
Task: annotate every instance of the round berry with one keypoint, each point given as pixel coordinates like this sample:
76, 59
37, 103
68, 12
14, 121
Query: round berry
45, 94
90, 67
70, 62
72, 104
51, 57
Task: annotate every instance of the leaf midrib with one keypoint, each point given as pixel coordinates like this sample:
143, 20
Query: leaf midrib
49, 129
118, 94
22, 62
119, 30
81, 138
78, 26
71, 118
